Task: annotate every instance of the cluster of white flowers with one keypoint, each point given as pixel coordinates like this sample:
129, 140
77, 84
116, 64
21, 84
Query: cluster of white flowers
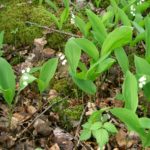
142, 81
140, 2
62, 58
132, 10
25, 77
72, 18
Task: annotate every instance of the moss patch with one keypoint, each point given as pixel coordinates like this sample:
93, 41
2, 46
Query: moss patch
68, 114
15, 15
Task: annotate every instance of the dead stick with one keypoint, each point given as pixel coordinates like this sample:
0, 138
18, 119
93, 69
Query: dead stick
78, 128
53, 30
49, 107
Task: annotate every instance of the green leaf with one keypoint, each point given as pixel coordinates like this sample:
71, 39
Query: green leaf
130, 91
7, 81
51, 4
55, 19
104, 65
122, 59
46, 73
96, 126
29, 80
147, 30
138, 27
66, 3
85, 134
116, 39
85, 85
97, 24
63, 17
138, 38
87, 125
124, 18
91, 72
110, 127
142, 66
99, 68
95, 117
73, 53
130, 119
88, 47
145, 122
80, 24
101, 136
146, 89
40, 2
1, 39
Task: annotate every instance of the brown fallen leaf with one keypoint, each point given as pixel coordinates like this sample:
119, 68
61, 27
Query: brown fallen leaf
31, 109
52, 94
55, 147
42, 127
121, 138
63, 139
48, 52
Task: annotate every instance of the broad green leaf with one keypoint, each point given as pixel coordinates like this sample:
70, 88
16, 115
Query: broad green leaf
138, 38
38, 148
87, 125
101, 136
91, 72
145, 122
55, 19
130, 91
110, 127
51, 4
29, 79
124, 18
46, 73
100, 68
107, 15
142, 66
138, 27
73, 53
115, 9
40, 2
81, 25
88, 47
7, 80
120, 97
147, 37
63, 17
129, 118
66, 3
97, 24
98, 38
146, 89
1, 39
122, 59
116, 39
85, 85
143, 6
104, 65
95, 117
96, 126
85, 134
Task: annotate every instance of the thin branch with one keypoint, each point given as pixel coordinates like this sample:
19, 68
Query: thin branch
49, 107
78, 128
53, 30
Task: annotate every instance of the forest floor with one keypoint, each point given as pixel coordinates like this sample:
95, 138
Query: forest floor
53, 120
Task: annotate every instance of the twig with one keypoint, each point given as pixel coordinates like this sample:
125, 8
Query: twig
53, 30
78, 128
49, 107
